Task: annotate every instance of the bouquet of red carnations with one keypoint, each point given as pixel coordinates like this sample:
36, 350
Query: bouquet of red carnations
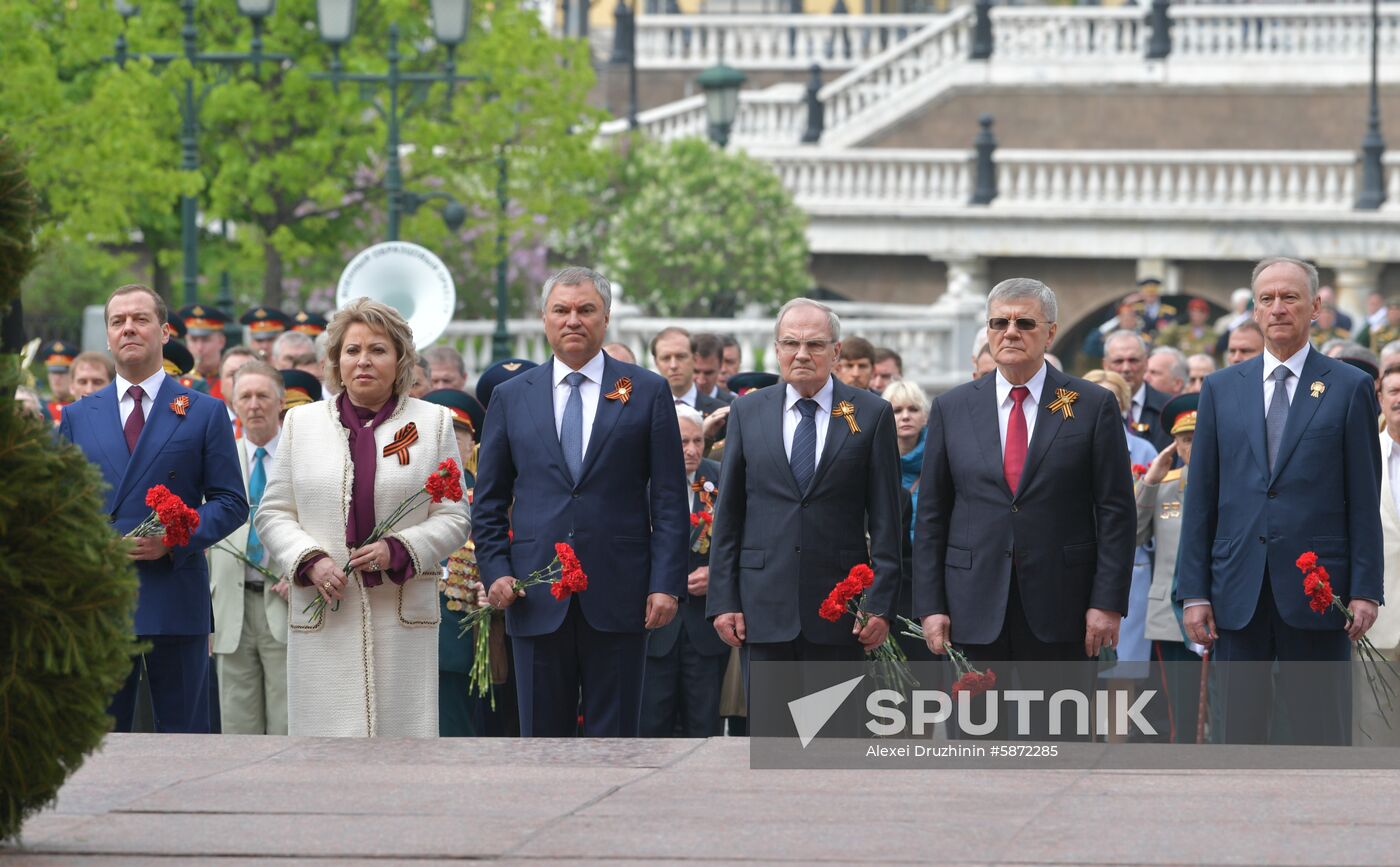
970, 681
170, 519
846, 598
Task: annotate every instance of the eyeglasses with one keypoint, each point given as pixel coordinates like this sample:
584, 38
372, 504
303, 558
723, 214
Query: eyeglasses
788, 346
1000, 323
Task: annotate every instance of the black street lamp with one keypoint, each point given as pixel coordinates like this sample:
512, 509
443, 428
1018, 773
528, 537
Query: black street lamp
1372, 194
721, 85
624, 53
500, 338
255, 11
335, 19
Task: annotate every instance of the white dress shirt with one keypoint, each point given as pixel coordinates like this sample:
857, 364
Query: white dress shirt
689, 398
1028, 406
150, 388
1293, 363
1393, 464
792, 415
589, 390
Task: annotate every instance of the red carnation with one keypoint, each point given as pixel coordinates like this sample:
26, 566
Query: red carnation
694, 519
1306, 561
862, 574
831, 609
572, 578
1321, 599
445, 483
170, 518
1139, 470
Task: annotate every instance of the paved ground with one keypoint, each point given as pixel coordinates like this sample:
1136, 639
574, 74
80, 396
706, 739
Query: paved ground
167, 799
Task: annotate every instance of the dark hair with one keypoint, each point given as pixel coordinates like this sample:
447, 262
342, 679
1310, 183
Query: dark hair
727, 340
1249, 325
667, 332
857, 347
162, 312
706, 346
884, 353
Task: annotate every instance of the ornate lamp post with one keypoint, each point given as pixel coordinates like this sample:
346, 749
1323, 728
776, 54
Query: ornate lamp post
1372, 194
721, 85
335, 19
255, 11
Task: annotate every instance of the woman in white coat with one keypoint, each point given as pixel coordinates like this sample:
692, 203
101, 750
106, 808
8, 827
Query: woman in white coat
366, 666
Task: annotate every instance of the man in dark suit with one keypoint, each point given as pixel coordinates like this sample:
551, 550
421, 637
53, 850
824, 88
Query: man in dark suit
146, 430
685, 658
1125, 353
811, 469
709, 357
585, 450
1285, 460
1024, 535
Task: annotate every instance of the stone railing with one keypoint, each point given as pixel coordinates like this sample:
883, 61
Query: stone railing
1266, 43
1339, 31
753, 42
1032, 34
1142, 181
934, 340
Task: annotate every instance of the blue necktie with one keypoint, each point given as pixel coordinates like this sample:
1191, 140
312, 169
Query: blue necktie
1277, 417
571, 431
804, 445
257, 483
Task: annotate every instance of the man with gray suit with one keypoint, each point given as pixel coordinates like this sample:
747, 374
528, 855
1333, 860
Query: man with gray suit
685, 658
1023, 541
809, 487
250, 610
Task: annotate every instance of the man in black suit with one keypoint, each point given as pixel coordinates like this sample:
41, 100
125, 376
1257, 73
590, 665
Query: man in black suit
1024, 535
708, 350
685, 658
1125, 353
810, 466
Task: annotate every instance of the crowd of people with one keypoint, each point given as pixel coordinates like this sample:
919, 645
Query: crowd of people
1025, 516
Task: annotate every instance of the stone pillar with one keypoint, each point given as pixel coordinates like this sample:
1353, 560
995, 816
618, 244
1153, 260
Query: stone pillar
967, 278
1356, 278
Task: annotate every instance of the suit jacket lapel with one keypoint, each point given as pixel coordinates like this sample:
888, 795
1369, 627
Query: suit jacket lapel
771, 419
106, 414
1047, 425
1302, 409
1251, 399
156, 432
837, 432
540, 399
986, 428
605, 417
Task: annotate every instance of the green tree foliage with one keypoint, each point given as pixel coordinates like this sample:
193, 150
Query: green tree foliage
68, 587
295, 165
704, 232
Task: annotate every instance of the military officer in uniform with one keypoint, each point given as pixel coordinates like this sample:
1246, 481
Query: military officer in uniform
310, 324
1195, 336
204, 334
1390, 330
461, 713
1325, 327
265, 325
1160, 495
58, 362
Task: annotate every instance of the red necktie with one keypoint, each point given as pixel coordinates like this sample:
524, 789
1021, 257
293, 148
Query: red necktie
137, 419
1014, 460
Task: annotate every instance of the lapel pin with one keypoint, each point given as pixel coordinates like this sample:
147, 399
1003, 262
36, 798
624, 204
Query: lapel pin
406, 436
180, 404
1318, 388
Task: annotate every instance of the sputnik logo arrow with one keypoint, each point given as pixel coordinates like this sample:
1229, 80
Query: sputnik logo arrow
811, 712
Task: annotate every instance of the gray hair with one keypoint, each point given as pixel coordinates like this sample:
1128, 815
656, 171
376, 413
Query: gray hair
908, 391
446, 355
1123, 334
1241, 295
1351, 349
1391, 348
576, 275
258, 367
1179, 367
1209, 359
833, 321
1025, 287
685, 412
1309, 272
301, 343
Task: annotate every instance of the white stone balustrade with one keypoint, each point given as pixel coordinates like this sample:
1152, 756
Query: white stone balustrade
1212, 45
893, 181
768, 41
